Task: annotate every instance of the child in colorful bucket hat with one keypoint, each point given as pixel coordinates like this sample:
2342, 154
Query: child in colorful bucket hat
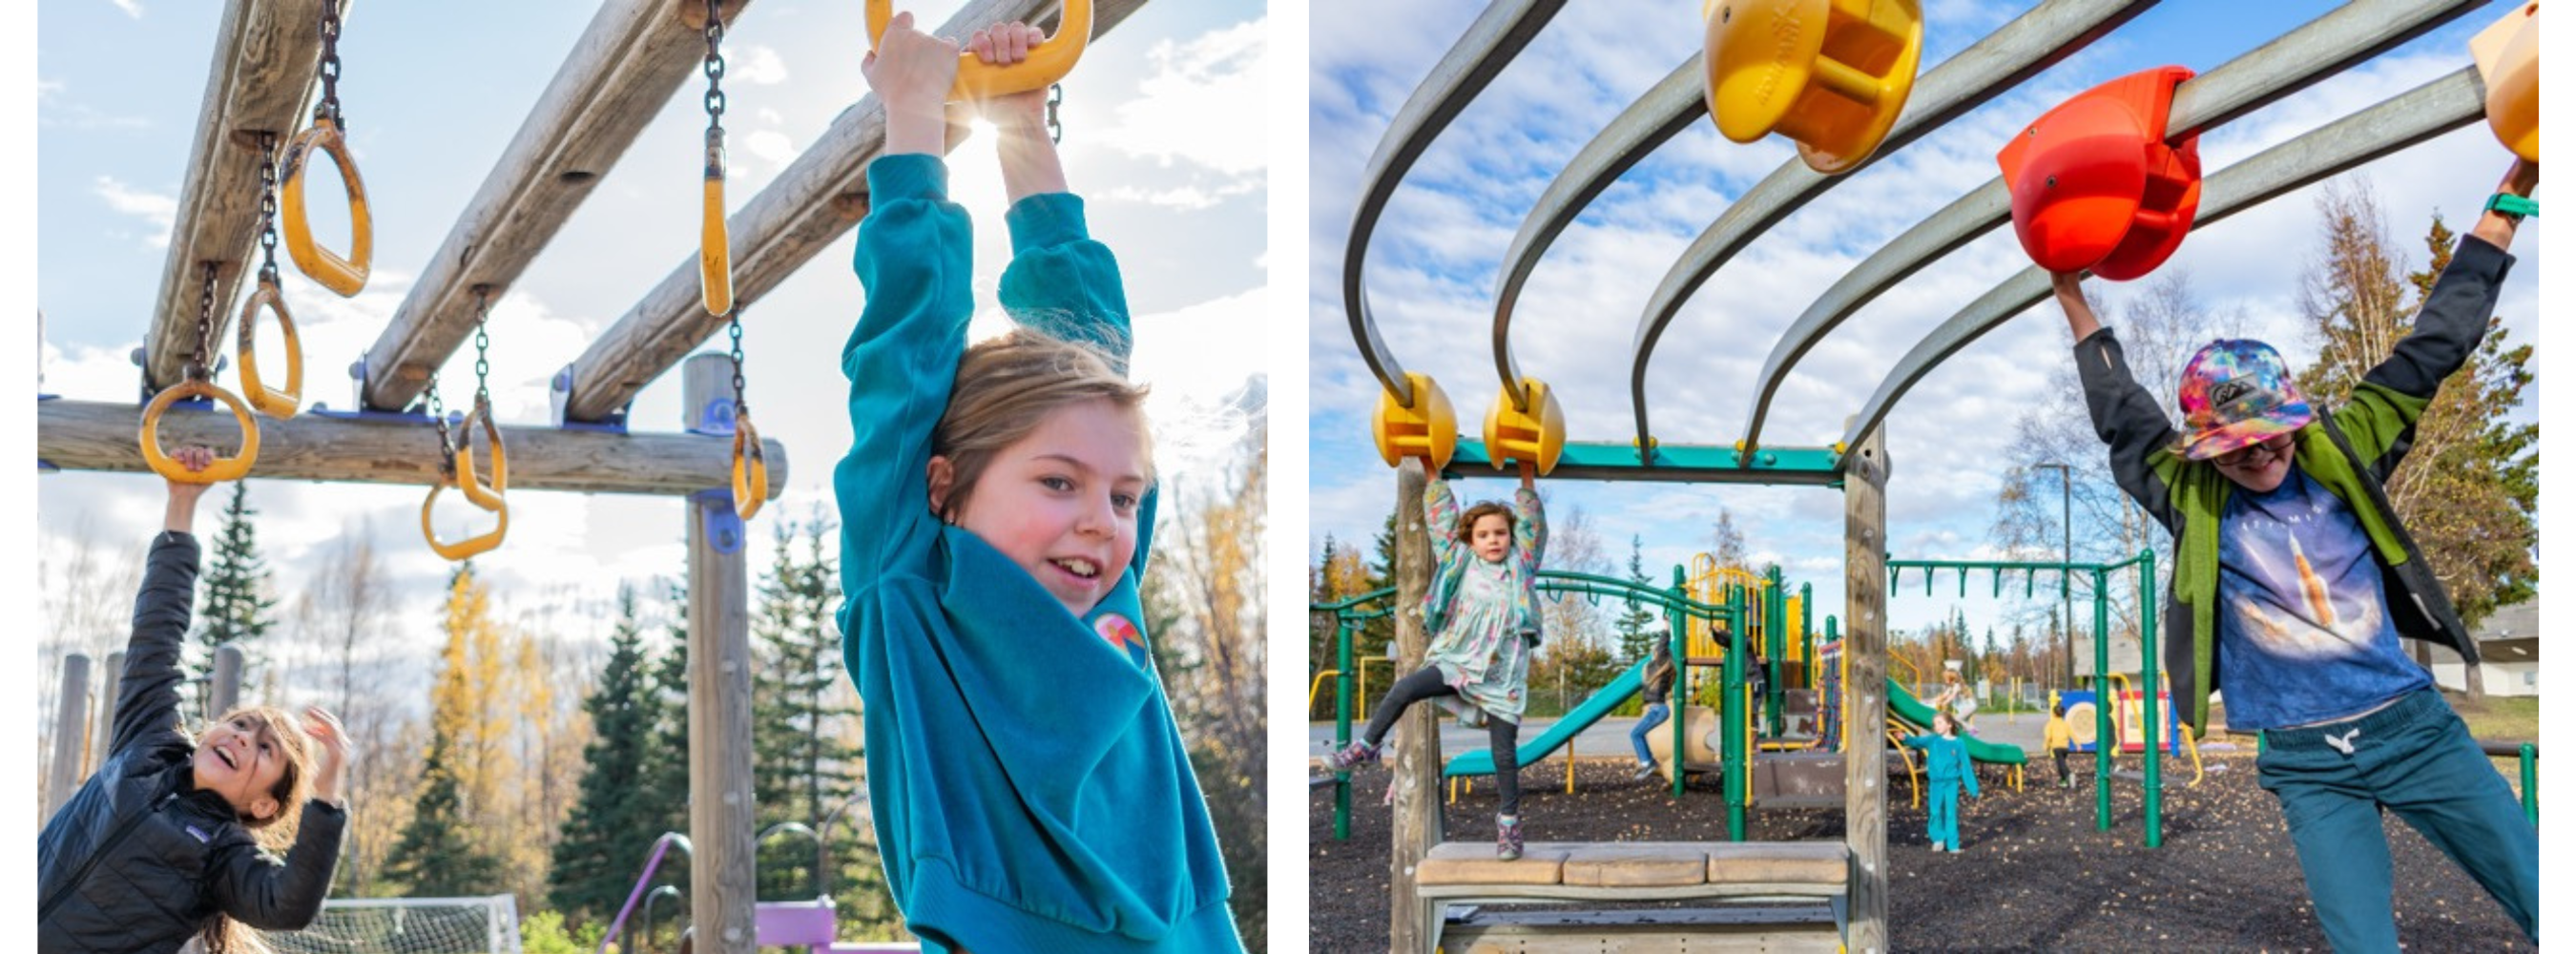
2294, 580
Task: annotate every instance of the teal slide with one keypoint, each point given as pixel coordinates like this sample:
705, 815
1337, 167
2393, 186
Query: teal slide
1481, 761
1914, 712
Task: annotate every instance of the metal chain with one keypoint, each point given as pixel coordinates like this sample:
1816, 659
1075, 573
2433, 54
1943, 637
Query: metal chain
1055, 127
329, 107
715, 70
482, 349
438, 415
741, 406
198, 366
268, 208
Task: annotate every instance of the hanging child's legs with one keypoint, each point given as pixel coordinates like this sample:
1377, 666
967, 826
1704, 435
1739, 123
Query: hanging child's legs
2453, 796
1425, 683
1506, 740
2415, 757
1655, 716
2335, 826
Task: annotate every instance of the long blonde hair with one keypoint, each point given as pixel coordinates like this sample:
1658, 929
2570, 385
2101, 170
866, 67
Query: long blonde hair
1006, 386
219, 933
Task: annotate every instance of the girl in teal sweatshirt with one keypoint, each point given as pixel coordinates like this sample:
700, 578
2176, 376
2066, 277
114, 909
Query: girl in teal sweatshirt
1029, 788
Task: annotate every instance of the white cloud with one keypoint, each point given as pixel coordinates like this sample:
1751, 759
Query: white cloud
160, 211
132, 8
1202, 106
756, 65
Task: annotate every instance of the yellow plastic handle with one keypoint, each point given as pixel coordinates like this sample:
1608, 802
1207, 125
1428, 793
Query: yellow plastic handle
1428, 429
274, 403
715, 257
1048, 62
224, 468
1536, 435
750, 469
469, 546
488, 496
343, 275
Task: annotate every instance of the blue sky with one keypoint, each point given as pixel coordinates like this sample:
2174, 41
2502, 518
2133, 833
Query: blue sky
1437, 253
1164, 136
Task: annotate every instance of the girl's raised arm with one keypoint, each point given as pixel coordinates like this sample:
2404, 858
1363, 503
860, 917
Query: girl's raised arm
1440, 509
147, 694
1529, 532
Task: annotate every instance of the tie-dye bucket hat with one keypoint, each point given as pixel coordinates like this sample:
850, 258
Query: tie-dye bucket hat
2236, 393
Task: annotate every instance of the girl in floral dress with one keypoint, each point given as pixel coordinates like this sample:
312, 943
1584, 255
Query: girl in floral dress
1482, 612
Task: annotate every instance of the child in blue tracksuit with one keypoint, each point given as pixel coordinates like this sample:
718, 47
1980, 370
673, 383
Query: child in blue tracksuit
2294, 580
1030, 790
1946, 766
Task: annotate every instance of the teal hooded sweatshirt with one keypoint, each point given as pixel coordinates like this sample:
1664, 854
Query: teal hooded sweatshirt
1029, 787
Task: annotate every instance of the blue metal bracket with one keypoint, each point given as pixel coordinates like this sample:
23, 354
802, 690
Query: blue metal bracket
718, 518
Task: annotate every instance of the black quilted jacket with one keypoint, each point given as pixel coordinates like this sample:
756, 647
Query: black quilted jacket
138, 858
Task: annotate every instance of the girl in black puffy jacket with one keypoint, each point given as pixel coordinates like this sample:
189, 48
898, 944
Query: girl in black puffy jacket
174, 836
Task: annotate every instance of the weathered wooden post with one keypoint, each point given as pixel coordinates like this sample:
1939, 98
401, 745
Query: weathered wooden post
1865, 653
720, 808
69, 730
108, 684
1417, 753
223, 692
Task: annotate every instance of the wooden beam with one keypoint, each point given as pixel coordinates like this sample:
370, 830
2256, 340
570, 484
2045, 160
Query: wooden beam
625, 68
1865, 650
265, 58
720, 803
92, 435
808, 207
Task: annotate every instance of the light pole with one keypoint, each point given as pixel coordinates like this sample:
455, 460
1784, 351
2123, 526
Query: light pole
2065, 588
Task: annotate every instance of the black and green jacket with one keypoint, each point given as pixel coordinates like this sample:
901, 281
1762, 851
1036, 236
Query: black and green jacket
2351, 450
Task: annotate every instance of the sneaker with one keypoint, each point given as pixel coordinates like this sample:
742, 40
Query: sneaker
1507, 837
1940, 846
1954, 849
1646, 771
1354, 754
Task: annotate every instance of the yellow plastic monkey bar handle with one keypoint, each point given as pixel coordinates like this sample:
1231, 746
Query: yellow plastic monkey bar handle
750, 469
715, 255
1048, 62
1428, 429
343, 275
1536, 435
274, 403
2508, 60
487, 496
224, 468
469, 546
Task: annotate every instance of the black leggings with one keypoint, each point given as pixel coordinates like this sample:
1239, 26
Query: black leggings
1505, 736
2060, 756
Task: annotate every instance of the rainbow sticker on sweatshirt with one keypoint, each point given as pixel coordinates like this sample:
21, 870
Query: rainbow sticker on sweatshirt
1122, 633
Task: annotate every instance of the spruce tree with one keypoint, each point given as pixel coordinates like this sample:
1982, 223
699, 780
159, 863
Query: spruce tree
1634, 640
802, 771
601, 853
436, 858
665, 777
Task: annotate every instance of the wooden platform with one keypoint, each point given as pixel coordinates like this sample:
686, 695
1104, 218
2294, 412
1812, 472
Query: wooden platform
1459, 873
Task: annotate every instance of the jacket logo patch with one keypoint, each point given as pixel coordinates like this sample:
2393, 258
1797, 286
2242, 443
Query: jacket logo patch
202, 837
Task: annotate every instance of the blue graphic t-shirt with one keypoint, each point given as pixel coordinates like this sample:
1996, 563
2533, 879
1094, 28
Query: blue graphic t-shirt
2303, 628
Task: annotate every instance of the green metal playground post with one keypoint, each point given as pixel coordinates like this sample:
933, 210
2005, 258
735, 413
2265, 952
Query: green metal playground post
1807, 632
2103, 743
1775, 644
1731, 716
2531, 782
1678, 697
2154, 717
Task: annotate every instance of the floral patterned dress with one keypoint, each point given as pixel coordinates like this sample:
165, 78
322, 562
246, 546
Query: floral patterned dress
1484, 616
